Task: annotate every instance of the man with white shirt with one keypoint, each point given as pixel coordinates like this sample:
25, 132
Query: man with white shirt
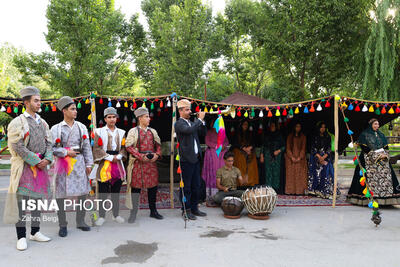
74, 161
144, 146
190, 155
108, 153
29, 141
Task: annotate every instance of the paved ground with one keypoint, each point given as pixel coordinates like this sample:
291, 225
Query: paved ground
310, 236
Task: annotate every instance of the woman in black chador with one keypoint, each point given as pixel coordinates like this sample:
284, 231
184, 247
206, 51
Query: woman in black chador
379, 174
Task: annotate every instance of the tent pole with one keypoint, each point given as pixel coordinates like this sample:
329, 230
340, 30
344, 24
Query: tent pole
94, 123
93, 112
172, 152
336, 117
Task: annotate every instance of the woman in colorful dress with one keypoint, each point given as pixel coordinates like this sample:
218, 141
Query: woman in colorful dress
245, 156
320, 167
271, 156
380, 175
212, 162
296, 162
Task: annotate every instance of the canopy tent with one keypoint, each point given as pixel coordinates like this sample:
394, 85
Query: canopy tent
163, 112
359, 112
239, 98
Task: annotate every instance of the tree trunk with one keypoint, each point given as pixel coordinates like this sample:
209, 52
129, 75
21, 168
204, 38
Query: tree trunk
301, 93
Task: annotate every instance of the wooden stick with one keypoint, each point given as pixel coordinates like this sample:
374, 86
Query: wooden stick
336, 118
93, 112
94, 123
45, 101
373, 101
260, 106
126, 97
172, 153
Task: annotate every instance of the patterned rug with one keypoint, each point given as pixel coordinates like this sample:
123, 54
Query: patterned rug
164, 200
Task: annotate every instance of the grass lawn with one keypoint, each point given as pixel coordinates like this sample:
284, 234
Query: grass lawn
394, 150
5, 166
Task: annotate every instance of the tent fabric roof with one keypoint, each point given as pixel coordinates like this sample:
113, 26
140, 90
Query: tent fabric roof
239, 98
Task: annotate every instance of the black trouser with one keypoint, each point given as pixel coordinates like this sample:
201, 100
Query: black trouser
104, 189
80, 213
151, 195
191, 180
34, 219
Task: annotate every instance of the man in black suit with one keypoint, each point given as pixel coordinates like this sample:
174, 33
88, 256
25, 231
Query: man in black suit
190, 154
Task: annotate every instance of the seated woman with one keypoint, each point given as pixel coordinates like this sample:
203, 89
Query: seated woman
320, 167
212, 162
227, 178
245, 156
296, 162
271, 156
380, 175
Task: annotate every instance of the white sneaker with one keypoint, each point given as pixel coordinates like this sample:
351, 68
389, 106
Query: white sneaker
118, 219
99, 221
39, 237
21, 244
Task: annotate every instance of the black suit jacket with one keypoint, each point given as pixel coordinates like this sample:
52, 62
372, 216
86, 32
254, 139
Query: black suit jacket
186, 136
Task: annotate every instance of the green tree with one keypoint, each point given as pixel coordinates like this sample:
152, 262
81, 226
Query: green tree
10, 77
5, 119
382, 53
312, 47
220, 83
245, 58
181, 39
91, 45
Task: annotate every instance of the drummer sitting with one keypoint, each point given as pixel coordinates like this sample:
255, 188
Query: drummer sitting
227, 178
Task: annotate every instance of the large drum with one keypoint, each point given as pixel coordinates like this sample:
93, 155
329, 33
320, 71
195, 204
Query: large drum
232, 207
260, 202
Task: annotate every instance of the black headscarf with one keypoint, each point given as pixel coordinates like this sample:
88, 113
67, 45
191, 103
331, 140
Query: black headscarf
324, 141
373, 139
244, 138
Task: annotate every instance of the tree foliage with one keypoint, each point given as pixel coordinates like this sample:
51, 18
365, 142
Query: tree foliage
11, 79
181, 39
313, 45
382, 53
91, 44
284, 50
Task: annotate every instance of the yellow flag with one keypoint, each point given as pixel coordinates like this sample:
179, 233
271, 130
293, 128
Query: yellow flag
365, 191
371, 108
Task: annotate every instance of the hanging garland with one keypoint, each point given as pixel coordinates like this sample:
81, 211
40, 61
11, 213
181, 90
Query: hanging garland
368, 193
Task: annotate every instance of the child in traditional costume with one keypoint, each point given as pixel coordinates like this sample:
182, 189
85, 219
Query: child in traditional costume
108, 152
144, 145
